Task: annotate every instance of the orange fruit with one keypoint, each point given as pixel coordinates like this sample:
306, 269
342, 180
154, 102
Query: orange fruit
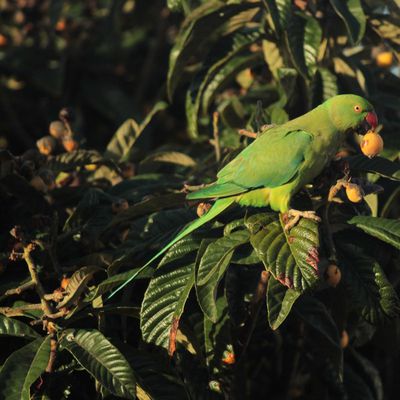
203, 208
229, 358
64, 282
46, 145
61, 25
332, 275
371, 144
384, 59
3, 40
354, 192
70, 144
344, 340
57, 129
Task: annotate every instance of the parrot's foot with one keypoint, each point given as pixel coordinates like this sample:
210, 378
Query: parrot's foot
295, 216
334, 190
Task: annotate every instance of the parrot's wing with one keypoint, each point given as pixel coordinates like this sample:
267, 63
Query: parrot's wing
270, 161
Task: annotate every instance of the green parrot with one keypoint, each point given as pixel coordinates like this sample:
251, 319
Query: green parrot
272, 169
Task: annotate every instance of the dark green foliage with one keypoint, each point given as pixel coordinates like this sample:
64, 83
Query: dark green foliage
240, 308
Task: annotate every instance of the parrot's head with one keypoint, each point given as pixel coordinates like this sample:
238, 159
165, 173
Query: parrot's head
349, 112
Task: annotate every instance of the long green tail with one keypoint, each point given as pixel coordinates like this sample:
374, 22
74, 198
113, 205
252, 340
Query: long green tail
219, 206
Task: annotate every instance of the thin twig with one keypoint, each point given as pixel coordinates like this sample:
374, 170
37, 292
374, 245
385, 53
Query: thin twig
245, 132
215, 141
47, 308
20, 289
18, 311
53, 352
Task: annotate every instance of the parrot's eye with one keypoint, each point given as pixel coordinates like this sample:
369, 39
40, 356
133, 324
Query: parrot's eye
357, 108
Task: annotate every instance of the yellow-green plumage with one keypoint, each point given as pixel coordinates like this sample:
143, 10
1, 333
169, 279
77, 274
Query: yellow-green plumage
272, 169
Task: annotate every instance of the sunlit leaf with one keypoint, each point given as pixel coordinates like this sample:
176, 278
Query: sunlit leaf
102, 360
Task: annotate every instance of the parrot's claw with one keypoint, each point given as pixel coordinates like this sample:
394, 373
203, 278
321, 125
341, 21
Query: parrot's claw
295, 215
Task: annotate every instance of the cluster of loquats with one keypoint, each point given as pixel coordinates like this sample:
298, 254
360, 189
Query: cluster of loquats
61, 136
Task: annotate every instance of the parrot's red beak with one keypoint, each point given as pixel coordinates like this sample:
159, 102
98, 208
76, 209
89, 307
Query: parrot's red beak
372, 120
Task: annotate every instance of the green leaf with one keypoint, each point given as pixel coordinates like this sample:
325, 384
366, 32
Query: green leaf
352, 14
292, 257
22, 368
387, 230
371, 292
201, 25
378, 165
312, 41
77, 284
217, 336
13, 327
114, 281
164, 301
212, 267
272, 56
171, 157
280, 300
102, 360
121, 143
217, 77
329, 83
317, 316
279, 11
303, 36
66, 162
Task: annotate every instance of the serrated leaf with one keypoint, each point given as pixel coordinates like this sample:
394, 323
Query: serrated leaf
102, 360
164, 301
212, 267
292, 257
70, 161
114, 281
280, 300
125, 137
279, 11
378, 165
303, 53
13, 327
216, 78
372, 294
22, 368
329, 83
217, 336
171, 157
201, 24
273, 56
167, 293
387, 230
352, 14
77, 284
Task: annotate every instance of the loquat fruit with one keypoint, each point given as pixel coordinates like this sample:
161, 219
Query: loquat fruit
354, 192
384, 59
371, 144
332, 275
70, 144
46, 145
344, 340
57, 129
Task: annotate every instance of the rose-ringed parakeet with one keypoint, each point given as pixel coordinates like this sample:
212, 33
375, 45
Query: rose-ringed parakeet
272, 169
